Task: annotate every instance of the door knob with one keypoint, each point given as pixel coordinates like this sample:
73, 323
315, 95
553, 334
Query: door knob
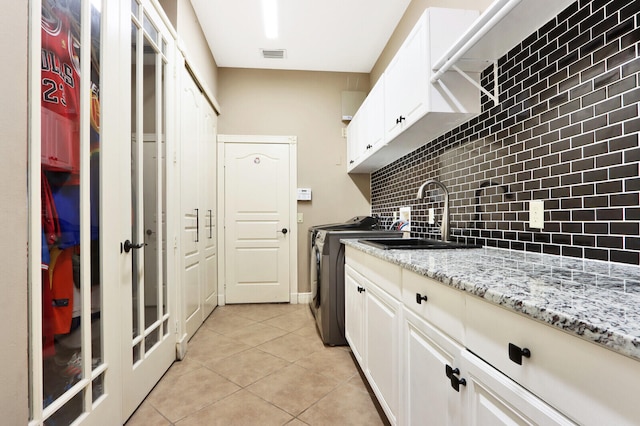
284, 231
128, 246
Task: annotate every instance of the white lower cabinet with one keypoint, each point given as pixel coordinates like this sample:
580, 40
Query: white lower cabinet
494, 399
445, 384
354, 312
382, 325
428, 368
372, 329
427, 396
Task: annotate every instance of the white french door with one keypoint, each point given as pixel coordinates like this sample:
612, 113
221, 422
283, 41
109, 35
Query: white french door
74, 351
147, 292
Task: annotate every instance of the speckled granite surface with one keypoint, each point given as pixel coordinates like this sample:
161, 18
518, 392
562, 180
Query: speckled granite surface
597, 301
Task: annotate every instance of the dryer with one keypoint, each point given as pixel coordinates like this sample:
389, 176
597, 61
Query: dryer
327, 275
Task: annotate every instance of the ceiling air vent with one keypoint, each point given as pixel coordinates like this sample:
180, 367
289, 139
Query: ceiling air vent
273, 53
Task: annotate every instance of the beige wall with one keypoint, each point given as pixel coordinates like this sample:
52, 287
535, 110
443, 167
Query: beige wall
13, 215
409, 19
306, 105
184, 21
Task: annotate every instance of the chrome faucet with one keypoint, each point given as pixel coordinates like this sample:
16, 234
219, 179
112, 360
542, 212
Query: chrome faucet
444, 229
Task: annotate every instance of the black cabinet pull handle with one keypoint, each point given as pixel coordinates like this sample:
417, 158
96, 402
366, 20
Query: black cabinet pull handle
210, 224
516, 353
455, 381
450, 371
197, 225
360, 289
420, 298
351, 162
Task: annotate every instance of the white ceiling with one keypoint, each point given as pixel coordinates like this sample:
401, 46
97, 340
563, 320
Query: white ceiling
318, 35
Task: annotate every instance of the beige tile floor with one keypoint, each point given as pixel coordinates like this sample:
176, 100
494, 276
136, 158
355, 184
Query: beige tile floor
260, 365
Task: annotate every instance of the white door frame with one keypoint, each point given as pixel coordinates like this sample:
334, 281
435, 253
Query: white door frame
293, 184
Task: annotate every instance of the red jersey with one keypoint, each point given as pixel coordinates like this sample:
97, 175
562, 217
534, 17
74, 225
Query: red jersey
60, 95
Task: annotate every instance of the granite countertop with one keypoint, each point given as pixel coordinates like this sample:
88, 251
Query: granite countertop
597, 301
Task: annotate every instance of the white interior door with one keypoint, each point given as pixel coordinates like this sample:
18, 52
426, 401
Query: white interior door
257, 200
192, 214
210, 237
147, 296
197, 204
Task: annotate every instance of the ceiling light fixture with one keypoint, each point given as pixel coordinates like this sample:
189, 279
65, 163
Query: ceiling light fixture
270, 18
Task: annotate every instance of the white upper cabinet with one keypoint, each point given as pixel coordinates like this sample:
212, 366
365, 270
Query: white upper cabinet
365, 134
412, 109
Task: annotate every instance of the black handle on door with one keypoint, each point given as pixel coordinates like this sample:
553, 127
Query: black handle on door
455, 381
128, 246
360, 289
197, 225
516, 353
284, 231
420, 298
210, 224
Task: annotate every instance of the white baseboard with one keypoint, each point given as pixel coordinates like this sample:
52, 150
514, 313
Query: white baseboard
221, 301
303, 298
181, 347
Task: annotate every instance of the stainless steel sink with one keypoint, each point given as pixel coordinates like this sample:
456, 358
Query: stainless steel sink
414, 244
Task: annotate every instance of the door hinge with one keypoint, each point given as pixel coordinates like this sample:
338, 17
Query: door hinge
176, 327
175, 242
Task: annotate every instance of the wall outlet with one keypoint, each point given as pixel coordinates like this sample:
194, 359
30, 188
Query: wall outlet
405, 216
432, 216
536, 214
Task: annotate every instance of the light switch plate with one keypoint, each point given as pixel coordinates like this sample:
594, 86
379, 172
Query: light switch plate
536, 214
300, 217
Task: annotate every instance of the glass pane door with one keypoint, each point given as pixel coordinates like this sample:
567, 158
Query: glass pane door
67, 360
150, 342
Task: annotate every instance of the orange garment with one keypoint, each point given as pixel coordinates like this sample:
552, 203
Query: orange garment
61, 270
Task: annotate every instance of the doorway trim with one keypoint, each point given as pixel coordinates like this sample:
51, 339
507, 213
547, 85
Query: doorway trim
292, 141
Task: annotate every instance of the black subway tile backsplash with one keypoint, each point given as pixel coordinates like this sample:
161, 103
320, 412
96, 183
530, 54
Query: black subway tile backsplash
565, 131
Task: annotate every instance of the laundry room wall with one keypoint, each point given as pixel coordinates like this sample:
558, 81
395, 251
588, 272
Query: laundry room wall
184, 20
306, 105
409, 19
14, 214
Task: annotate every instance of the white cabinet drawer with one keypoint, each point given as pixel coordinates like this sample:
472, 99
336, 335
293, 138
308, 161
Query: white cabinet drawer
384, 274
588, 383
444, 306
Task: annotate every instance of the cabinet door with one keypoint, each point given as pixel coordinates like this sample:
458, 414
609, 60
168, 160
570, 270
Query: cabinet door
428, 396
382, 331
494, 399
406, 82
354, 313
375, 115
354, 140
